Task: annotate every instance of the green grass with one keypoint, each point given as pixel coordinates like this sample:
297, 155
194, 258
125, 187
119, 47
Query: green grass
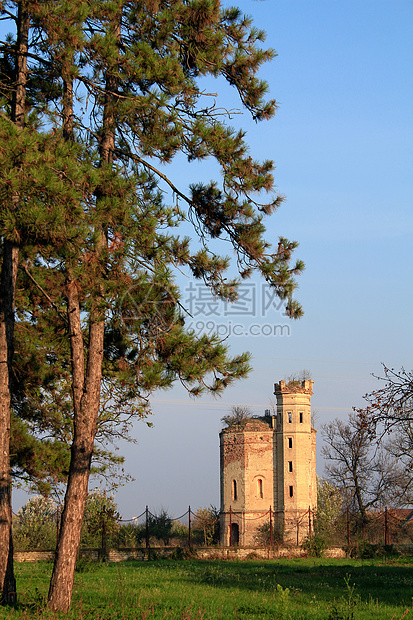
308, 589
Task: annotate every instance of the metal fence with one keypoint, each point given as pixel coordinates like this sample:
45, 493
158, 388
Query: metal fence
385, 527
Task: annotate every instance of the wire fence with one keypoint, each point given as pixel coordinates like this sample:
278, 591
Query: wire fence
268, 528
382, 527
204, 528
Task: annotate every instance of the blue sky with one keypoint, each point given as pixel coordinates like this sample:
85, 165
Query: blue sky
342, 143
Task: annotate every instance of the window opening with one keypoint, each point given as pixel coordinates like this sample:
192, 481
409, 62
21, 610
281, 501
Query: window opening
234, 490
301, 418
260, 489
290, 466
290, 417
290, 442
291, 491
234, 534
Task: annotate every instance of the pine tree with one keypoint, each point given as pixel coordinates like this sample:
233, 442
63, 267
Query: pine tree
10, 252
104, 251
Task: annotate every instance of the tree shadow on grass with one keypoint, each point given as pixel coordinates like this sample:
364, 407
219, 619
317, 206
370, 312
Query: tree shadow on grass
391, 584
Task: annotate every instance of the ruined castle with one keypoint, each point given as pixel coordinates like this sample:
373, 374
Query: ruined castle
268, 471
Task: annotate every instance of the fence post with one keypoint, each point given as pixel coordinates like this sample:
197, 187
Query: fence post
147, 527
386, 542
189, 527
309, 521
230, 526
104, 537
271, 532
348, 528
298, 530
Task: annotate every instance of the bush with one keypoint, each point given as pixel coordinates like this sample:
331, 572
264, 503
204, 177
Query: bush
263, 536
128, 536
101, 520
366, 551
34, 526
205, 526
314, 545
160, 526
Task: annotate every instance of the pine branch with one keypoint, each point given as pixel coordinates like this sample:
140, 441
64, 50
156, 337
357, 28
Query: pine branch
41, 289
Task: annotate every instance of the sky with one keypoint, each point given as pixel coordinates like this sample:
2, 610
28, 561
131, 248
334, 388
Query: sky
343, 148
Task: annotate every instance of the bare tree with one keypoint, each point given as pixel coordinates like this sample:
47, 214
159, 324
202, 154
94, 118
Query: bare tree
399, 447
238, 414
388, 420
302, 375
391, 405
357, 465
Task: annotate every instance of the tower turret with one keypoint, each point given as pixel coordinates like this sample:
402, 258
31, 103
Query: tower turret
295, 491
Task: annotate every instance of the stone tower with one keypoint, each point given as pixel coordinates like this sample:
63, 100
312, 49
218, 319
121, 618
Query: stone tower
268, 470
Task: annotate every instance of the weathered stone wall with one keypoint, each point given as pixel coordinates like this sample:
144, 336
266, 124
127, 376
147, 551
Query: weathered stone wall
203, 553
246, 462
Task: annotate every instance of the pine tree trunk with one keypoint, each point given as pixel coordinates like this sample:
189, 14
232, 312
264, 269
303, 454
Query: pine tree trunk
85, 418
7, 298
86, 392
8, 278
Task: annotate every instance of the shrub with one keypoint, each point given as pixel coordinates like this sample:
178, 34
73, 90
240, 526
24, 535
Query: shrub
206, 526
314, 545
128, 536
34, 527
101, 519
263, 536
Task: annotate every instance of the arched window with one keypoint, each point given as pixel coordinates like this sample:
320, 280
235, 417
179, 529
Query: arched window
234, 490
260, 491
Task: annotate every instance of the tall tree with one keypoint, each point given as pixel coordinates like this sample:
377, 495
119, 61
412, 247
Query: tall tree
108, 257
360, 468
9, 265
36, 175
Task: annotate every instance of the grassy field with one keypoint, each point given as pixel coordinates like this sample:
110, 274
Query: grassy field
316, 589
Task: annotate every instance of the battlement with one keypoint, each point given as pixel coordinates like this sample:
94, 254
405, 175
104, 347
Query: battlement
294, 387
248, 425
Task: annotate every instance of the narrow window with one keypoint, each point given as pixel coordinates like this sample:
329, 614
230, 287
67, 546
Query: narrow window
291, 491
301, 418
290, 417
290, 466
290, 442
260, 489
234, 490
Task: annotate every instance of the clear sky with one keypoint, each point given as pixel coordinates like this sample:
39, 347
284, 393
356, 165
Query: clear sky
342, 143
